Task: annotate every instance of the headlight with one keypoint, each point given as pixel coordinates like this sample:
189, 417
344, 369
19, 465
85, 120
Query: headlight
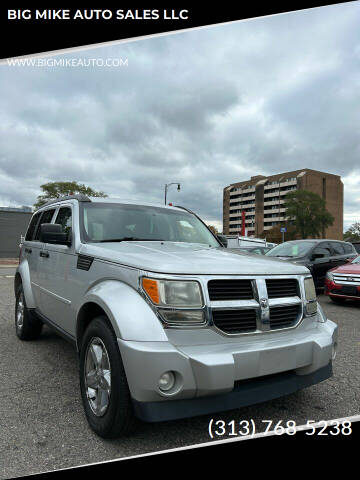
330, 276
310, 296
173, 293
183, 300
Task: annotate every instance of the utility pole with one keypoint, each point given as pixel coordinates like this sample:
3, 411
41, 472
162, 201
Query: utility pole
167, 185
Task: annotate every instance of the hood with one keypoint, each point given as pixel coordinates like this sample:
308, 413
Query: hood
350, 268
188, 258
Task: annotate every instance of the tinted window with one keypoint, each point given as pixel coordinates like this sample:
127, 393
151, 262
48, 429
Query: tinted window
45, 218
357, 247
348, 248
64, 218
338, 248
32, 226
291, 249
323, 249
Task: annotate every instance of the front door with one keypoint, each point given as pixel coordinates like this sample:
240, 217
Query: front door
59, 261
323, 264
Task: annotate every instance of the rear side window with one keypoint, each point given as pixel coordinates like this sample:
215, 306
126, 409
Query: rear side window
32, 226
338, 248
324, 249
46, 217
348, 248
64, 218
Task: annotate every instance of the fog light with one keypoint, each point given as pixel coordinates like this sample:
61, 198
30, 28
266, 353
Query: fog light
334, 351
166, 381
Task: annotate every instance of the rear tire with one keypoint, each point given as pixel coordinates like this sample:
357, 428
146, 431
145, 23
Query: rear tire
27, 325
104, 388
338, 300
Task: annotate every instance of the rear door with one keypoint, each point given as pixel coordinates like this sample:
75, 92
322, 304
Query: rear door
339, 254
323, 264
31, 249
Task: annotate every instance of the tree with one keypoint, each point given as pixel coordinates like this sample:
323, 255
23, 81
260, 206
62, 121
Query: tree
213, 229
352, 234
307, 212
59, 189
274, 235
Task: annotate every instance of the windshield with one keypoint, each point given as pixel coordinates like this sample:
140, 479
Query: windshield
106, 222
291, 249
356, 260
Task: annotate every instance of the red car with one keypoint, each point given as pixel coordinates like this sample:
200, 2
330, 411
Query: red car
343, 282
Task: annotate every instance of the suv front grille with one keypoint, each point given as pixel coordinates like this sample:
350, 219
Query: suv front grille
235, 321
283, 317
278, 287
230, 290
256, 304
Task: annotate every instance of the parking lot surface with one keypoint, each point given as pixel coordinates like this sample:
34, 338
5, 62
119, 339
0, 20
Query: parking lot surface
42, 425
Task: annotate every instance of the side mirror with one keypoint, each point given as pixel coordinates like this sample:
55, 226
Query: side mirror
222, 239
317, 255
52, 233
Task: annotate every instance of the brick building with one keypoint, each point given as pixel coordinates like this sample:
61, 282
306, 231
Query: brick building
262, 198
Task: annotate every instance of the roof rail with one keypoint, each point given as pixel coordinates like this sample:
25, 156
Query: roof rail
79, 198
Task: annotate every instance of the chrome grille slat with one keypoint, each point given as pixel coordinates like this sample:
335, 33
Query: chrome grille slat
343, 279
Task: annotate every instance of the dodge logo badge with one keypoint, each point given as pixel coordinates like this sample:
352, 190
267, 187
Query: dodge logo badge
264, 303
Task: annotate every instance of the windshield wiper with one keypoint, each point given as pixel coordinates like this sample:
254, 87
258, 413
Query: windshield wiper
131, 239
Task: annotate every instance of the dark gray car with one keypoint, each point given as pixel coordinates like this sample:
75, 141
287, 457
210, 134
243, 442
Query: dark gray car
318, 255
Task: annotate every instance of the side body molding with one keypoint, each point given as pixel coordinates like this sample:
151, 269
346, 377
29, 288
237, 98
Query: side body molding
130, 315
23, 270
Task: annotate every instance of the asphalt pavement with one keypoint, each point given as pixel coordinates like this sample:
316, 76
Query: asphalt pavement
42, 424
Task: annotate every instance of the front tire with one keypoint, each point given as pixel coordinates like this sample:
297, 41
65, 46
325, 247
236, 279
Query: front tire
27, 325
104, 388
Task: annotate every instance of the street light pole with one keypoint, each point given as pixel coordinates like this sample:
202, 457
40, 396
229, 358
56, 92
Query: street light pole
167, 185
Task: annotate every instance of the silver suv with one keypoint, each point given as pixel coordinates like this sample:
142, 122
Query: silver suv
167, 323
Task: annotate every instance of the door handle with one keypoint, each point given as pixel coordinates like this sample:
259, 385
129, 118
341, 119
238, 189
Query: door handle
28, 250
44, 254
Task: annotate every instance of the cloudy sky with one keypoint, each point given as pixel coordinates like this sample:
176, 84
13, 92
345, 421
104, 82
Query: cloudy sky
207, 108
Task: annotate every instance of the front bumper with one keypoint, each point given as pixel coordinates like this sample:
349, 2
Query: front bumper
244, 393
340, 290
210, 371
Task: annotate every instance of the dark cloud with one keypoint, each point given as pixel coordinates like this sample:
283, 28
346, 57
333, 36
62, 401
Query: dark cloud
206, 108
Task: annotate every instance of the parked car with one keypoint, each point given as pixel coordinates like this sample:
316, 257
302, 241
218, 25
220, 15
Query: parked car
259, 250
343, 283
318, 256
222, 238
167, 323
